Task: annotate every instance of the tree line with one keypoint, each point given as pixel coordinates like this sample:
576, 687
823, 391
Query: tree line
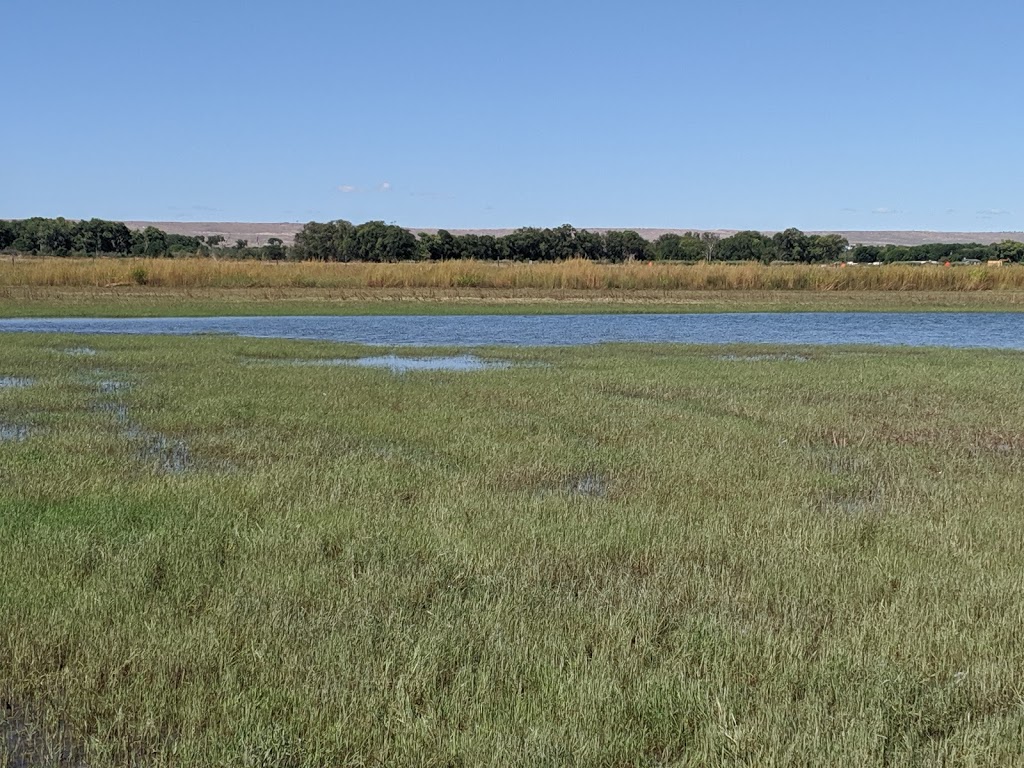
98, 237
375, 241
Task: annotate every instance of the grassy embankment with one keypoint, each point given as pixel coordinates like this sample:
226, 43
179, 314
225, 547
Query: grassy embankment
38, 287
621, 555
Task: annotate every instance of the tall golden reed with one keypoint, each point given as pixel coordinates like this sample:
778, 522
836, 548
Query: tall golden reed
574, 275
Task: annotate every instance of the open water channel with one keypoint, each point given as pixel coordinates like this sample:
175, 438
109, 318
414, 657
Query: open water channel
941, 329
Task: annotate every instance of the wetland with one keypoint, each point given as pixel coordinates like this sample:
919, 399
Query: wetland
607, 553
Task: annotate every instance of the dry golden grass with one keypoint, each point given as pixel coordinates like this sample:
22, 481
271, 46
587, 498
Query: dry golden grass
573, 275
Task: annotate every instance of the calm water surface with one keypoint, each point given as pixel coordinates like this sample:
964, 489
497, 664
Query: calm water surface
953, 329
397, 364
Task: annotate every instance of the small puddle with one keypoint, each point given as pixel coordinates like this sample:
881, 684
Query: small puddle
15, 382
166, 454
28, 743
14, 433
111, 386
593, 486
397, 364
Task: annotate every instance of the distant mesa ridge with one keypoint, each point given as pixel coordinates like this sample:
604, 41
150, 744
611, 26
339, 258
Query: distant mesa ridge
257, 233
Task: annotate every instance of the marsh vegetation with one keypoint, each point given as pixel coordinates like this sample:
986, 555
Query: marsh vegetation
574, 275
641, 555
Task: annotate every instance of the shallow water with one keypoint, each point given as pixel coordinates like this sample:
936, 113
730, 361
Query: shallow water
14, 433
397, 364
942, 329
588, 485
111, 386
15, 382
166, 454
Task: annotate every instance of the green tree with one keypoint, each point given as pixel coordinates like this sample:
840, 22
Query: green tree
8, 234
149, 242
561, 243
379, 242
590, 245
480, 247
526, 244
29, 234
56, 237
626, 245
673, 247
316, 242
1007, 249
746, 246
821, 248
97, 236
274, 250
443, 246
790, 245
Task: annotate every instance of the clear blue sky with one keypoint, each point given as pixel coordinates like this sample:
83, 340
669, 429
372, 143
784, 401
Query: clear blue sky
735, 114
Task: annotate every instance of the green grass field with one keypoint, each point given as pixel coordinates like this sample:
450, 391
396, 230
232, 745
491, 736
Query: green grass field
179, 302
616, 555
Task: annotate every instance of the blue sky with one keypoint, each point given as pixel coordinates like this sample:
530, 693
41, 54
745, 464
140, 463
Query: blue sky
736, 114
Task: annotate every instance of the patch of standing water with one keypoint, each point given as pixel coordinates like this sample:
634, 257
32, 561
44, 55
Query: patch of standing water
166, 454
397, 364
110, 386
14, 433
588, 485
15, 382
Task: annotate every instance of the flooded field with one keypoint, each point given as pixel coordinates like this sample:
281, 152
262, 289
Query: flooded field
507, 546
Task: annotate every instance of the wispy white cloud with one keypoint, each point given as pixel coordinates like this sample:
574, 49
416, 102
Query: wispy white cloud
883, 211
987, 213
848, 210
352, 189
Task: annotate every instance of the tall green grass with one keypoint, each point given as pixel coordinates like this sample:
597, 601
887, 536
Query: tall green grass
620, 555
